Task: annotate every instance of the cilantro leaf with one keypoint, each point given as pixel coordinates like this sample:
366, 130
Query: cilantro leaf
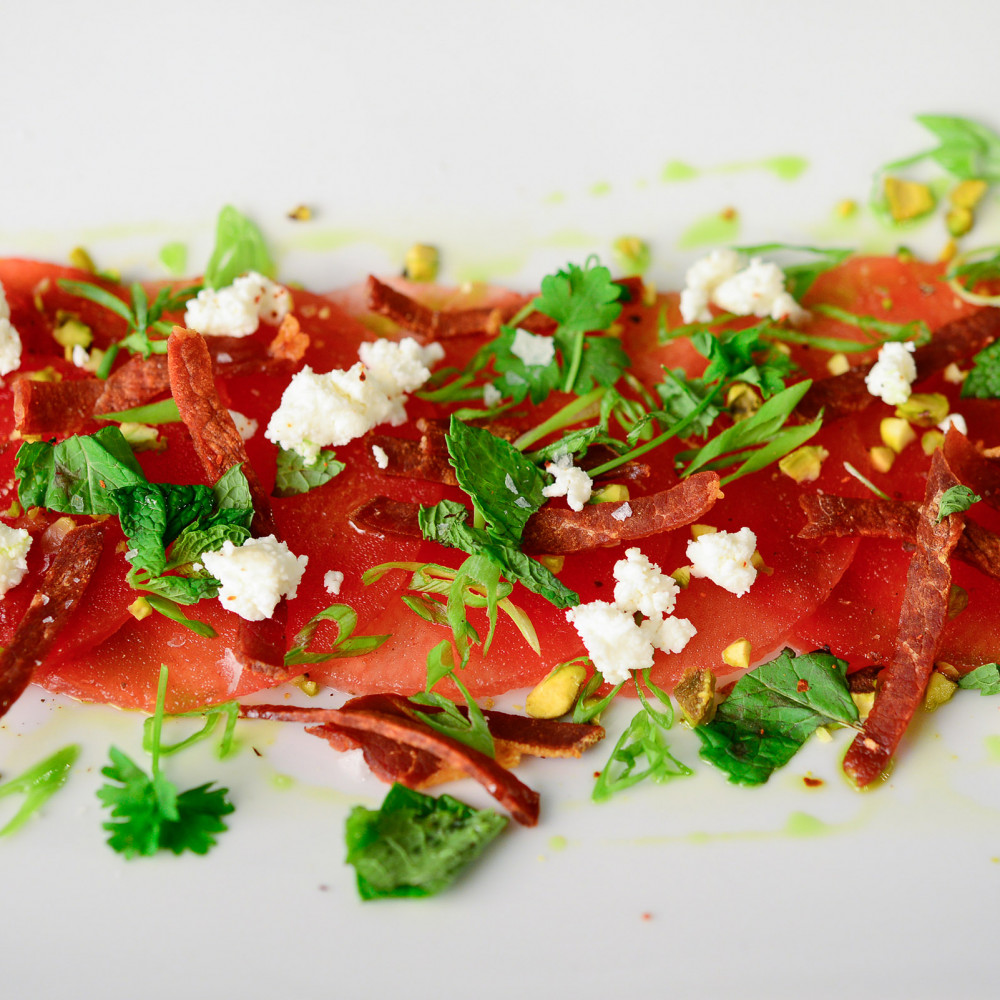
239, 247
199, 820
955, 500
77, 475
580, 298
505, 487
681, 397
518, 379
602, 361
733, 355
985, 679
295, 475
983, 381
415, 845
773, 710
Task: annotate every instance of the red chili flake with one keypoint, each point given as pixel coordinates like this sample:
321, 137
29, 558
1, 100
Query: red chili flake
811, 782
803, 685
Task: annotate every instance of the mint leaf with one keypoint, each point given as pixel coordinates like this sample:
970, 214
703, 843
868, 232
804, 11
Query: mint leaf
415, 845
505, 487
773, 710
983, 381
985, 679
193, 541
239, 247
956, 500
232, 493
78, 475
295, 475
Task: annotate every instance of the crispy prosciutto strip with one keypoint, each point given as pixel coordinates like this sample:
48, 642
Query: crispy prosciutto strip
52, 606
390, 725
847, 393
220, 447
54, 407
839, 517
555, 531
921, 621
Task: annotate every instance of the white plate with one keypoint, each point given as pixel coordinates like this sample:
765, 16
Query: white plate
514, 136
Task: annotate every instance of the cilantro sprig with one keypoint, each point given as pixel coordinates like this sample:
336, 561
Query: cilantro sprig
147, 812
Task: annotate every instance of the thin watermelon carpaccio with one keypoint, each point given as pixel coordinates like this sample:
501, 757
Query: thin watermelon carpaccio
780, 608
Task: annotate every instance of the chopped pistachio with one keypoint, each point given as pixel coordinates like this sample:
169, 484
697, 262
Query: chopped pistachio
846, 208
838, 363
648, 293
695, 693
967, 194
70, 332
881, 458
925, 409
780, 347
142, 437
930, 441
422, 262
81, 260
958, 221
948, 252
737, 654
612, 493
908, 199
301, 213
958, 600
555, 694
631, 254
697, 530
896, 433
905, 255
743, 401
863, 701
140, 608
306, 685
554, 564
46, 374
757, 561
939, 691
804, 464
953, 374
14, 510
682, 576
949, 670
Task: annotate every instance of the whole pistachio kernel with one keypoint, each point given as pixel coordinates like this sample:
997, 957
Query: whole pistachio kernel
804, 464
925, 409
881, 458
896, 433
631, 254
555, 694
743, 401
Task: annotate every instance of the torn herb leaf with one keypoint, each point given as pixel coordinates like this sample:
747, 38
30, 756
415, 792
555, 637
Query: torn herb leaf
295, 475
983, 381
956, 500
38, 784
345, 618
416, 845
239, 247
773, 710
985, 679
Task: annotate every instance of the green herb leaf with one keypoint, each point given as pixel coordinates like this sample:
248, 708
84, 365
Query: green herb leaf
580, 298
771, 712
983, 381
38, 784
295, 475
167, 606
642, 739
967, 150
985, 679
416, 845
517, 379
742, 355
955, 500
163, 412
346, 619
239, 247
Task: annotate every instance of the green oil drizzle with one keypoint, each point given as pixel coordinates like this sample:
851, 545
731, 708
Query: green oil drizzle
558, 843
710, 230
801, 824
174, 257
283, 782
556, 198
785, 167
992, 744
678, 170
600, 189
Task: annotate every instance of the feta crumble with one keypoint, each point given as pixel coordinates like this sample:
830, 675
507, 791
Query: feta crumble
318, 410
532, 348
892, 375
10, 340
725, 558
614, 641
14, 545
491, 395
381, 456
333, 580
246, 426
570, 482
724, 279
255, 575
955, 420
237, 309
622, 512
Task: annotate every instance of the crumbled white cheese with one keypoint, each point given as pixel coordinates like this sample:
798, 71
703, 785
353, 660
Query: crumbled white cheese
622, 512
893, 373
237, 309
318, 410
508, 481
723, 279
491, 395
641, 586
14, 545
246, 426
81, 357
570, 482
255, 575
725, 558
955, 420
532, 348
381, 456
333, 580
614, 641
10, 341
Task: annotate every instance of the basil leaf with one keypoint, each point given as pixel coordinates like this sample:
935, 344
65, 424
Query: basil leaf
239, 247
415, 845
295, 475
773, 710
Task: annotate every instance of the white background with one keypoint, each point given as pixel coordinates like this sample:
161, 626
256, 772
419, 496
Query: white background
125, 125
